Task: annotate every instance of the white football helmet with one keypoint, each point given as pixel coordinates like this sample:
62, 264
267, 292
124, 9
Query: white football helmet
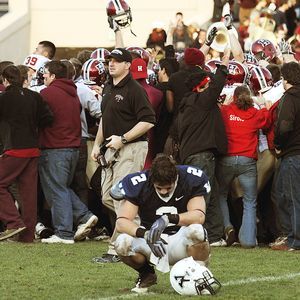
188, 277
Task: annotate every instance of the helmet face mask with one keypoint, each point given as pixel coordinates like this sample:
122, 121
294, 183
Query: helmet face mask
188, 277
263, 49
206, 283
123, 20
260, 80
237, 73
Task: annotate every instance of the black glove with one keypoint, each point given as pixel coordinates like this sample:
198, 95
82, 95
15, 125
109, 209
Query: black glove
157, 229
158, 248
228, 21
110, 22
210, 37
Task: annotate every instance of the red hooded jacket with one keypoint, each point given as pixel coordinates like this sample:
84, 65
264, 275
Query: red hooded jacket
65, 132
242, 129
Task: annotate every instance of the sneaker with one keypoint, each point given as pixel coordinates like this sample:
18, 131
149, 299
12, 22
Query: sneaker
54, 239
144, 281
98, 234
106, 258
279, 241
219, 243
43, 232
229, 235
283, 247
10, 232
84, 229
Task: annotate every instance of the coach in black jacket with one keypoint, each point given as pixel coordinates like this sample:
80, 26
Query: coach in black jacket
202, 135
22, 113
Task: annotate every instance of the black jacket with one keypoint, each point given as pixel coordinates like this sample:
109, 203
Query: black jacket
22, 112
200, 122
287, 126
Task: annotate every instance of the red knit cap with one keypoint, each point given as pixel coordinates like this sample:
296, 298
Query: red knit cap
193, 57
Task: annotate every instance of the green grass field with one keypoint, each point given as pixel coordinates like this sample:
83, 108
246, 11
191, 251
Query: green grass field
41, 271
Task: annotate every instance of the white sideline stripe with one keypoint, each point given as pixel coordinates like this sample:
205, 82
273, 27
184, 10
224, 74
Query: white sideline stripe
229, 283
256, 279
125, 296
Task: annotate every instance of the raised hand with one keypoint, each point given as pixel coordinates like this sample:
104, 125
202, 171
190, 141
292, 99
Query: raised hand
228, 21
211, 35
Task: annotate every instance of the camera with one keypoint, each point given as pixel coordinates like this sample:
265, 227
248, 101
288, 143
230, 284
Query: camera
101, 157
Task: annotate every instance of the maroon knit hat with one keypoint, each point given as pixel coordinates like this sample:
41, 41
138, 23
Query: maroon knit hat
193, 57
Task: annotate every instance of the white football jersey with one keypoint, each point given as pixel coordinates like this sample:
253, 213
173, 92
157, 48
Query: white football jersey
275, 93
36, 62
226, 95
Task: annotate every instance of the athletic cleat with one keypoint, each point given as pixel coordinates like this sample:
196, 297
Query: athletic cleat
10, 232
84, 229
106, 258
98, 234
144, 281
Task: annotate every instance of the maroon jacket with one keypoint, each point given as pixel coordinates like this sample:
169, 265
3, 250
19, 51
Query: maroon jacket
65, 132
155, 97
248, 3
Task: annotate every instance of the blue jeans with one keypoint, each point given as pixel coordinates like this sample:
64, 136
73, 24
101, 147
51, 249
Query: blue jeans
56, 170
244, 168
286, 193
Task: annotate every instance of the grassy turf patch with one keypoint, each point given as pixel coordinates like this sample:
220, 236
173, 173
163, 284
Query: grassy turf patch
41, 271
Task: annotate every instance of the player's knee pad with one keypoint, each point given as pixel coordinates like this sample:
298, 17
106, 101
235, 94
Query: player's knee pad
123, 244
195, 233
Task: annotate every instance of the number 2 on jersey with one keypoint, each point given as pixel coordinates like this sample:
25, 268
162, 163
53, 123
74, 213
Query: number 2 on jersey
194, 171
139, 178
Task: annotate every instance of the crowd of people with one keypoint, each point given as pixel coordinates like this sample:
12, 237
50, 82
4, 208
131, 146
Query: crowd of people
179, 144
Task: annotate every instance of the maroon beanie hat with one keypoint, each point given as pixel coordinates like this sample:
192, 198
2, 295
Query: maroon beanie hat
193, 57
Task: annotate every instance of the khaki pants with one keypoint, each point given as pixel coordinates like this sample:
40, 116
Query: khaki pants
131, 159
91, 166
